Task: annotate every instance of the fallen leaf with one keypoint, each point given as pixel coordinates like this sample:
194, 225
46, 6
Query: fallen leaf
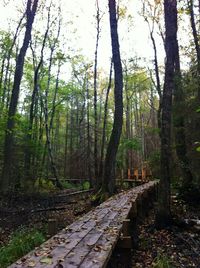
46, 260
31, 264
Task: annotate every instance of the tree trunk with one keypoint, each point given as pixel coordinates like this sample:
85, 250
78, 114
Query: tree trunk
28, 151
163, 216
158, 86
196, 40
66, 166
88, 135
7, 171
105, 122
9, 53
108, 179
95, 93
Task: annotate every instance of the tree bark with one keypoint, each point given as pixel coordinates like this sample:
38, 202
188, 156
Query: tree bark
7, 171
163, 216
33, 101
95, 92
196, 40
105, 122
108, 179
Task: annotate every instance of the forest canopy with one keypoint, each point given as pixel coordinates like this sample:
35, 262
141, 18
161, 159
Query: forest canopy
59, 91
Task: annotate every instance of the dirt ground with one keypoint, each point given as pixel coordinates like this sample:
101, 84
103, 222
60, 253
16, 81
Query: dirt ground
31, 212
178, 246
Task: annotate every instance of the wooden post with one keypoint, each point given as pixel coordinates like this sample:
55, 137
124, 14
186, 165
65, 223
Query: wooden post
52, 227
136, 175
143, 175
140, 211
129, 174
134, 225
124, 245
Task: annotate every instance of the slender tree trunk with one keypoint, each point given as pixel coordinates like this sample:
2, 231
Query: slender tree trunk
28, 152
66, 146
128, 158
95, 92
88, 135
109, 170
46, 113
105, 122
158, 85
163, 216
196, 40
6, 76
47, 126
7, 171
1, 73
54, 97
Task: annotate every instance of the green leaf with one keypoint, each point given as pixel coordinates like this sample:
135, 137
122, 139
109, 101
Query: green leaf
198, 149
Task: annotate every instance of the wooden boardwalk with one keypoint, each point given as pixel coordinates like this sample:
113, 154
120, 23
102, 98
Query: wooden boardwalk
89, 242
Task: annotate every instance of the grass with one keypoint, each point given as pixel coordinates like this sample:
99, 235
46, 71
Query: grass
162, 261
21, 242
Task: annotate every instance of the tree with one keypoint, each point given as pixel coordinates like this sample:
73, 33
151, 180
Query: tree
109, 170
95, 90
9, 136
196, 38
163, 216
154, 15
105, 121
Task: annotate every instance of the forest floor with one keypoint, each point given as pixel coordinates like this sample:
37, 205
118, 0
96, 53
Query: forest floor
31, 213
175, 247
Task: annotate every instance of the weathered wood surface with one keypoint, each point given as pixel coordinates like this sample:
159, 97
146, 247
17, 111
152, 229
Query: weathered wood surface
89, 241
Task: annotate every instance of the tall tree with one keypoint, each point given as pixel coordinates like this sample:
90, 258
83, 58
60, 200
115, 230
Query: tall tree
196, 38
109, 170
163, 216
105, 121
95, 90
9, 136
34, 97
155, 17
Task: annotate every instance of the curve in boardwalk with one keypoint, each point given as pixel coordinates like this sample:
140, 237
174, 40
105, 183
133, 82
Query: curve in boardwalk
89, 241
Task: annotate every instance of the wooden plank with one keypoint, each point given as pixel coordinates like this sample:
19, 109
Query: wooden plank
89, 242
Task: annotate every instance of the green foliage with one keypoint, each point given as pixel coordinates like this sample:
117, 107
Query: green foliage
21, 242
43, 185
86, 185
69, 185
162, 261
154, 159
132, 144
152, 130
154, 163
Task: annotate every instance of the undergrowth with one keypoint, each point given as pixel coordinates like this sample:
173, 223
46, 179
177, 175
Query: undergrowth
162, 261
21, 242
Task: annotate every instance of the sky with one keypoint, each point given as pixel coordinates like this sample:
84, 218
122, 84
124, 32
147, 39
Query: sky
134, 38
